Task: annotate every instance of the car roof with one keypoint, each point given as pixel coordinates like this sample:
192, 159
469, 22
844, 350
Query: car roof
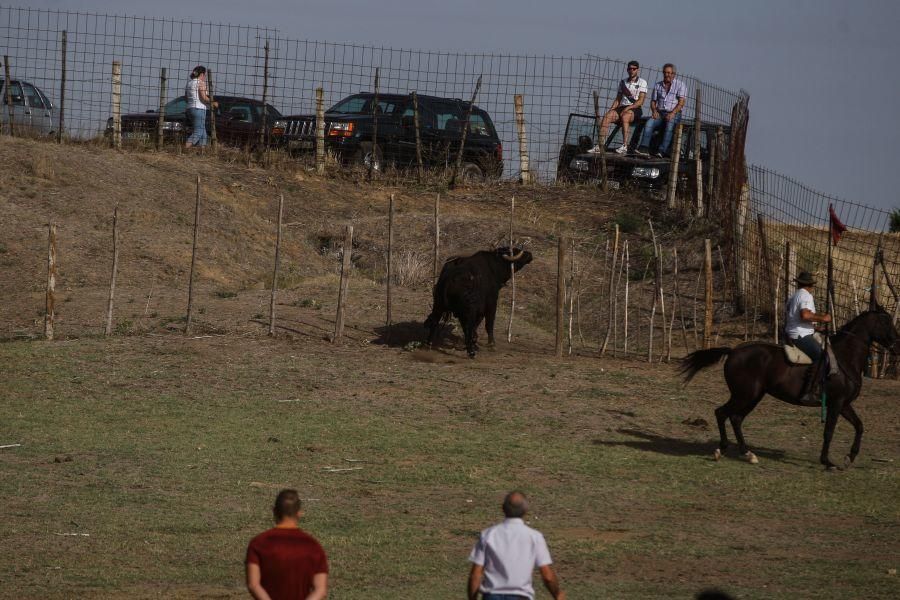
405, 96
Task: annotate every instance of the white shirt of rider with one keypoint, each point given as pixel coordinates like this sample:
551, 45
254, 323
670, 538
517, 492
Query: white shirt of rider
794, 325
635, 88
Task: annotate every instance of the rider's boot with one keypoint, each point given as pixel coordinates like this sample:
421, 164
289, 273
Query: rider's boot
811, 396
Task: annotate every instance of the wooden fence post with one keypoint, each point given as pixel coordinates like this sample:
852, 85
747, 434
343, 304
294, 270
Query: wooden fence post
437, 238
50, 305
9, 105
213, 136
698, 103
320, 131
390, 261
770, 276
512, 271
560, 293
161, 114
462, 137
264, 132
742, 272
790, 269
601, 143
112, 277
347, 253
420, 169
708, 316
612, 272
62, 87
275, 269
673, 167
519, 103
374, 156
719, 169
627, 252
117, 104
190, 306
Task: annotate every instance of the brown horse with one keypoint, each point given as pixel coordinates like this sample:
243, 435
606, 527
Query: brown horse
755, 369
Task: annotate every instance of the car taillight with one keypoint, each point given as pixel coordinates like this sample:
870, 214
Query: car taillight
341, 130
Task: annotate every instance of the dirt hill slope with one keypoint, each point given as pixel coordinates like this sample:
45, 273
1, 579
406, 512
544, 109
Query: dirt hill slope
77, 188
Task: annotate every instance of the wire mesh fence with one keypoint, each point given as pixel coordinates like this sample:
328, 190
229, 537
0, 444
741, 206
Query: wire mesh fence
783, 227
288, 74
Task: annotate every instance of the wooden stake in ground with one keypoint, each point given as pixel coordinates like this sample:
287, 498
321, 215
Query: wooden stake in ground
10, 114
698, 103
627, 278
50, 306
560, 292
211, 92
390, 260
512, 271
601, 143
112, 277
770, 278
519, 104
612, 275
437, 238
662, 299
347, 252
677, 294
655, 293
62, 88
190, 306
707, 270
462, 137
420, 169
275, 268
374, 158
320, 131
117, 104
671, 190
615, 311
571, 298
161, 112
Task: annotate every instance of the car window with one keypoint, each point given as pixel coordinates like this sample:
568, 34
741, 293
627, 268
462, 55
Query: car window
579, 127
15, 91
447, 117
354, 105
240, 112
478, 127
176, 107
426, 116
34, 99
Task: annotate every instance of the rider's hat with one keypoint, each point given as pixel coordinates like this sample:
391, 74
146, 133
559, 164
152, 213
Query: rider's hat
805, 278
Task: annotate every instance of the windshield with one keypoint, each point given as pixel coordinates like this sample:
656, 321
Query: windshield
362, 105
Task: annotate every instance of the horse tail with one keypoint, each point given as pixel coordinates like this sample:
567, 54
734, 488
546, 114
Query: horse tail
695, 362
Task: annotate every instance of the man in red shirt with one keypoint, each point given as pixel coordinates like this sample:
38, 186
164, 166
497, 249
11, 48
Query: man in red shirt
286, 563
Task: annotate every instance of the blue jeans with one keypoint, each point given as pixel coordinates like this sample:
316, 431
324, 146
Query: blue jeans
198, 122
651, 126
810, 346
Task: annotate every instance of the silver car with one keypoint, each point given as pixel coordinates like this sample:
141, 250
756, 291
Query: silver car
31, 109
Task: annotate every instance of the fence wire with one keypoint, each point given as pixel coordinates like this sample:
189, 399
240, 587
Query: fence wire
552, 86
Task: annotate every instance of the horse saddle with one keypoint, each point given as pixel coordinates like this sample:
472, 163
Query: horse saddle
796, 356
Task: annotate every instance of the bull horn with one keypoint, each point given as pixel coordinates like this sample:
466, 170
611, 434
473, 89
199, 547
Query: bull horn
514, 257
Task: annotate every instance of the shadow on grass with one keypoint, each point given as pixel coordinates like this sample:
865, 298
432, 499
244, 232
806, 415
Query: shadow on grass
652, 442
400, 335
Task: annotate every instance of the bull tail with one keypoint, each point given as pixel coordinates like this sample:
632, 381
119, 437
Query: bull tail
695, 362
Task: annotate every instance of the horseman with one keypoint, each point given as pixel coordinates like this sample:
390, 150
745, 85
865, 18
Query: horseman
799, 327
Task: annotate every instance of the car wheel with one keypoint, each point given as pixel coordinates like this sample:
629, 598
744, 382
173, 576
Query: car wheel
365, 155
471, 173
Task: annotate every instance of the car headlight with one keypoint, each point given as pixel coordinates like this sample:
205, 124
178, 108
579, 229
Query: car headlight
645, 172
341, 130
279, 127
578, 164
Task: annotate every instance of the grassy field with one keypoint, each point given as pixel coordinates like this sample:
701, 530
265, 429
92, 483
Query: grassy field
163, 454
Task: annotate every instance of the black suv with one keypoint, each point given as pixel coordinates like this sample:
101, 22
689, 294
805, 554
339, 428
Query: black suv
239, 121
576, 163
349, 127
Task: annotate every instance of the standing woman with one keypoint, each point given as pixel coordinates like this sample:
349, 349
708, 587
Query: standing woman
197, 96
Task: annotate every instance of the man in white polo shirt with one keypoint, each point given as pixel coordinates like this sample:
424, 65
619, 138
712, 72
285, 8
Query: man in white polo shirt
625, 109
800, 318
506, 554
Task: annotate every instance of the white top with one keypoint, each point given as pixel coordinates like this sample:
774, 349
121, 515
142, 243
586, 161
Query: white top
794, 326
631, 90
509, 553
192, 92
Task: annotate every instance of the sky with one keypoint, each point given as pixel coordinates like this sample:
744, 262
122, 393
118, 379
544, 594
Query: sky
824, 94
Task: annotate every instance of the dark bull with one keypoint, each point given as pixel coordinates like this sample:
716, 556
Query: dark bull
468, 289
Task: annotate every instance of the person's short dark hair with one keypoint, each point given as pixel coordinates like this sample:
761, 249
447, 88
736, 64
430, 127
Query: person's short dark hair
634, 63
287, 504
670, 66
198, 71
515, 505
713, 595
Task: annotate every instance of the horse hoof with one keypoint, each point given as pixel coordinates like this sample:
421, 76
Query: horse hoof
717, 455
751, 458
848, 462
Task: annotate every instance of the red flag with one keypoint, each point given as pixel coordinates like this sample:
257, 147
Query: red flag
837, 228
